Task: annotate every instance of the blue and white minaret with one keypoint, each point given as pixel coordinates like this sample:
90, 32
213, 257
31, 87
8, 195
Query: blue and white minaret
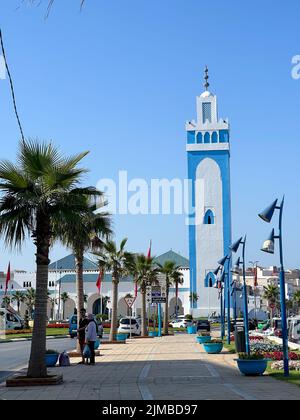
208, 152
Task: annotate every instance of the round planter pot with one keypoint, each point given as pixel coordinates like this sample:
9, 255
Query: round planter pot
51, 359
121, 337
192, 329
202, 340
153, 334
252, 367
213, 348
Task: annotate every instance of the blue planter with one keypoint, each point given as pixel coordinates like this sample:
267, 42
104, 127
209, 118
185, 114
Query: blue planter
153, 334
121, 337
202, 340
51, 359
213, 348
192, 329
252, 367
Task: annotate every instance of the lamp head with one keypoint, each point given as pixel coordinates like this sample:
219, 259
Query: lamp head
268, 245
235, 246
223, 261
267, 214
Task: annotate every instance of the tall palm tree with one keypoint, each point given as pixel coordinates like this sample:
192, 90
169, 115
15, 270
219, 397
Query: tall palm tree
296, 300
37, 192
52, 301
30, 296
178, 280
64, 298
86, 234
169, 269
271, 293
18, 297
118, 262
145, 273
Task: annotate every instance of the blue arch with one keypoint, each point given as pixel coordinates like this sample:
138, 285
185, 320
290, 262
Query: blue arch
210, 280
209, 218
199, 138
214, 137
207, 138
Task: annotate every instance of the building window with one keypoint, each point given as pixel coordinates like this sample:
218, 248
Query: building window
206, 112
210, 280
199, 138
214, 137
207, 138
209, 218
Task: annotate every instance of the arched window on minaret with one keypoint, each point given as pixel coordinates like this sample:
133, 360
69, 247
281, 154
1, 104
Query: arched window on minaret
210, 280
214, 137
207, 138
199, 138
209, 218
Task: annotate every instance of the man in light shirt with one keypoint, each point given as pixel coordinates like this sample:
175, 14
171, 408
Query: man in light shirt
91, 337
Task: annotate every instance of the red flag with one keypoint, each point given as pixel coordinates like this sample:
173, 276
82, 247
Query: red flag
255, 277
7, 278
99, 281
149, 251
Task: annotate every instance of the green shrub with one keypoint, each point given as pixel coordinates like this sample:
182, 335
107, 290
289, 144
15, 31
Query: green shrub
252, 356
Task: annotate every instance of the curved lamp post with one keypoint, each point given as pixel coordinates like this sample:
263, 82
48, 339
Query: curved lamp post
269, 247
234, 248
226, 279
219, 285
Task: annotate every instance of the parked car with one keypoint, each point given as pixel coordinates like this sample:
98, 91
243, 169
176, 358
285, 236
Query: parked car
294, 331
203, 325
179, 323
10, 320
128, 325
73, 327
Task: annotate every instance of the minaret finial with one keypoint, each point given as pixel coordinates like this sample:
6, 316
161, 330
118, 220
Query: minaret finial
206, 77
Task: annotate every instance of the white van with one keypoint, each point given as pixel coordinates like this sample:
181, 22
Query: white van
294, 330
10, 320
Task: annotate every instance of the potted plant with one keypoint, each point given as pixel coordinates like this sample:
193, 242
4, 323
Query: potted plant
254, 364
51, 357
203, 337
213, 347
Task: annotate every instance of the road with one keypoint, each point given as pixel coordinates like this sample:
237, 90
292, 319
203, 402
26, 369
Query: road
16, 355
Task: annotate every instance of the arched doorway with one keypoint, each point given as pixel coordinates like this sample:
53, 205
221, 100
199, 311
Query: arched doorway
100, 306
172, 307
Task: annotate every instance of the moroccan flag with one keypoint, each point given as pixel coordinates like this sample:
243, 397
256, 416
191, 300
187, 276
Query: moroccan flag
7, 278
99, 281
255, 277
149, 250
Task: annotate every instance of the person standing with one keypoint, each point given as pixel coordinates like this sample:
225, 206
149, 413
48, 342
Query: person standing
91, 337
83, 323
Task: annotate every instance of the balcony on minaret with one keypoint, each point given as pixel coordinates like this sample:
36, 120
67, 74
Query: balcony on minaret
208, 129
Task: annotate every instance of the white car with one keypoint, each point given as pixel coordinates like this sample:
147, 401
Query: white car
127, 325
180, 323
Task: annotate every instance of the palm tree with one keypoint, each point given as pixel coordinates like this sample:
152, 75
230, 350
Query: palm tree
118, 262
52, 301
296, 300
18, 297
271, 293
177, 280
6, 301
84, 235
170, 270
193, 298
30, 296
64, 297
145, 274
38, 192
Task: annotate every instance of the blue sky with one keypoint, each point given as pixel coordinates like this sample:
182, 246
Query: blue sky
120, 79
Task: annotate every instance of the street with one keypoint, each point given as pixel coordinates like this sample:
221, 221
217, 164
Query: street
15, 355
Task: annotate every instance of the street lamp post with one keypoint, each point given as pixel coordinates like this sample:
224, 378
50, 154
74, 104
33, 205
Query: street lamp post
220, 286
268, 247
234, 248
226, 277
255, 265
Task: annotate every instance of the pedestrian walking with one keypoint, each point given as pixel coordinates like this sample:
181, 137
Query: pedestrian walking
83, 323
91, 337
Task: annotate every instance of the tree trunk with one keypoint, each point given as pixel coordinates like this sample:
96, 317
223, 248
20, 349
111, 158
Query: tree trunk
114, 315
79, 289
18, 304
166, 314
176, 299
144, 312
37, 366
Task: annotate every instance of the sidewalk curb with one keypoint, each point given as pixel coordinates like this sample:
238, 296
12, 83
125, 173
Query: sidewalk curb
17, 340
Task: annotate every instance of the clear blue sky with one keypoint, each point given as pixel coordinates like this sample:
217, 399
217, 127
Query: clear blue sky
120, 79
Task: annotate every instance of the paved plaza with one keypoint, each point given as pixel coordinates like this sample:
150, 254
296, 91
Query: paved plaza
168, 368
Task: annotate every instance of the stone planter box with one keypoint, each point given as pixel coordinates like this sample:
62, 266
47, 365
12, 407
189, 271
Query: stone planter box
23, 381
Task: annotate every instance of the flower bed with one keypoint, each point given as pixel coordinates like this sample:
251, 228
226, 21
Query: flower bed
292, 365
265, 347
256, 338
15, 332
58, 326
278, 355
